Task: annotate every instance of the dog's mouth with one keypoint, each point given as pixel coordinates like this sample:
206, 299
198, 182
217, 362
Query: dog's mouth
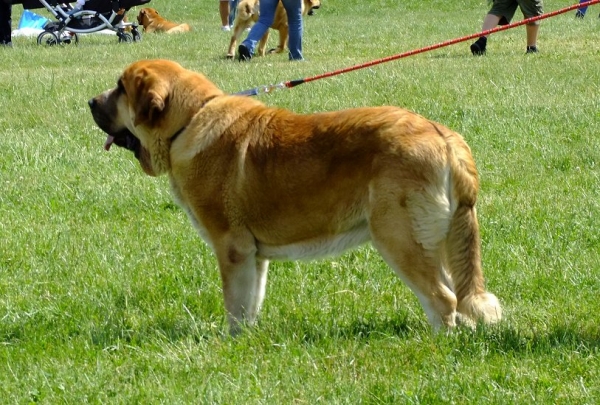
124, 139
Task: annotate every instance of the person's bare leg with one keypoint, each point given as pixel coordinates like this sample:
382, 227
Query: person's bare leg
224, 13
532, 34
490, 21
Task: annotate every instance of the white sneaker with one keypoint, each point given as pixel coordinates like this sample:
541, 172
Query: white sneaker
226, 28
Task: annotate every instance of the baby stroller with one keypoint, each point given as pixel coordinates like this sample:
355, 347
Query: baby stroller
97, 15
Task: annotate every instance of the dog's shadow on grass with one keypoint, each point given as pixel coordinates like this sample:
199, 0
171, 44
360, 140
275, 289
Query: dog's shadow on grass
500, 338
507, 339
359, 329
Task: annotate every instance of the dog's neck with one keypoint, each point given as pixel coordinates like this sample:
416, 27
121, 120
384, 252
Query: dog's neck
176, 134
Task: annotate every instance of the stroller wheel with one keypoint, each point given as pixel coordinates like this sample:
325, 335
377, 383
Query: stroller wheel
136, 35
48, 38
125, 37
68, 37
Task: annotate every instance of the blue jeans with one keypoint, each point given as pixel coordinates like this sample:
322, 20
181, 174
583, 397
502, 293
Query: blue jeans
233, 10
267, 14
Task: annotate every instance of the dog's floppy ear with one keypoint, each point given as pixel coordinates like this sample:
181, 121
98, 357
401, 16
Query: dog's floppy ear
151, 97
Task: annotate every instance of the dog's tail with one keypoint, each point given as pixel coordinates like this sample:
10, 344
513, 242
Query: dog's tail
462, 246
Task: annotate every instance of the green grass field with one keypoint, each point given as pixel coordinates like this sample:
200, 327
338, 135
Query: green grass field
107, 295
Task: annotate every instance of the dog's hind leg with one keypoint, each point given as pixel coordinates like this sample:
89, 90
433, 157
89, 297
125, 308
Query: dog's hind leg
283, 38
417, 262
262, 45
244, 279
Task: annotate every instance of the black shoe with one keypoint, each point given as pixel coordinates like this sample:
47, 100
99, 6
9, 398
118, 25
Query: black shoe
579, 14
244, 53
532, 49
478, 47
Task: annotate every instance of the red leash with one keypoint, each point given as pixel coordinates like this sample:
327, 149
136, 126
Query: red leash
293, 83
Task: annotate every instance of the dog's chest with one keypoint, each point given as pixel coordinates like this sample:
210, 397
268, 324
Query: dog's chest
196, 222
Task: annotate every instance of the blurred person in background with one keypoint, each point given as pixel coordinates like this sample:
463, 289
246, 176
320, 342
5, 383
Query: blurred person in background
501, 13
5, 22
227, 9
266, 16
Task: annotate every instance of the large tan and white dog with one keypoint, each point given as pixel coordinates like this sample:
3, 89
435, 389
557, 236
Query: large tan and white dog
247, 13
152, 21
261, 183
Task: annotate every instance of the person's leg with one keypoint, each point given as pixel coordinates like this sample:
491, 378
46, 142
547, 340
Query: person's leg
501, 13
532, 34
5, 23
232, 11
224, 13
532, 8
490, 21
293, 9
267, 14
580, 13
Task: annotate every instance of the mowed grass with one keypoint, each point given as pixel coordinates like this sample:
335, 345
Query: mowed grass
107, 295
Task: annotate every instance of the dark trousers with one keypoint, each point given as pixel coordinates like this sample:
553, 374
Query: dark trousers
5, 22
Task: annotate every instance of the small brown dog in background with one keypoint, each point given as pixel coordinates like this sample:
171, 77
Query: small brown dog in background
247, 13
153, 22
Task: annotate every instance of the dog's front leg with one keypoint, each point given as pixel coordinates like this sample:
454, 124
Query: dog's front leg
238, 29
244, 279
262, 45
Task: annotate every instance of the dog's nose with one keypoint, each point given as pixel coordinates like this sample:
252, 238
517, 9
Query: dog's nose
92, 102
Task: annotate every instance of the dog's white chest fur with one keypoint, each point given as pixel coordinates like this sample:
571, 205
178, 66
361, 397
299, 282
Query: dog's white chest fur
315, 248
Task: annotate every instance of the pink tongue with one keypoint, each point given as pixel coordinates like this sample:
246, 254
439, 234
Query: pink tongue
109, 141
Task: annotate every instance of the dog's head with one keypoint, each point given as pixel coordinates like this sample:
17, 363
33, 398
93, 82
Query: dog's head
153, 102
146, 15
311, 5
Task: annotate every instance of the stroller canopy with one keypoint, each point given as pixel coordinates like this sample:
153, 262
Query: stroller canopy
102, 6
